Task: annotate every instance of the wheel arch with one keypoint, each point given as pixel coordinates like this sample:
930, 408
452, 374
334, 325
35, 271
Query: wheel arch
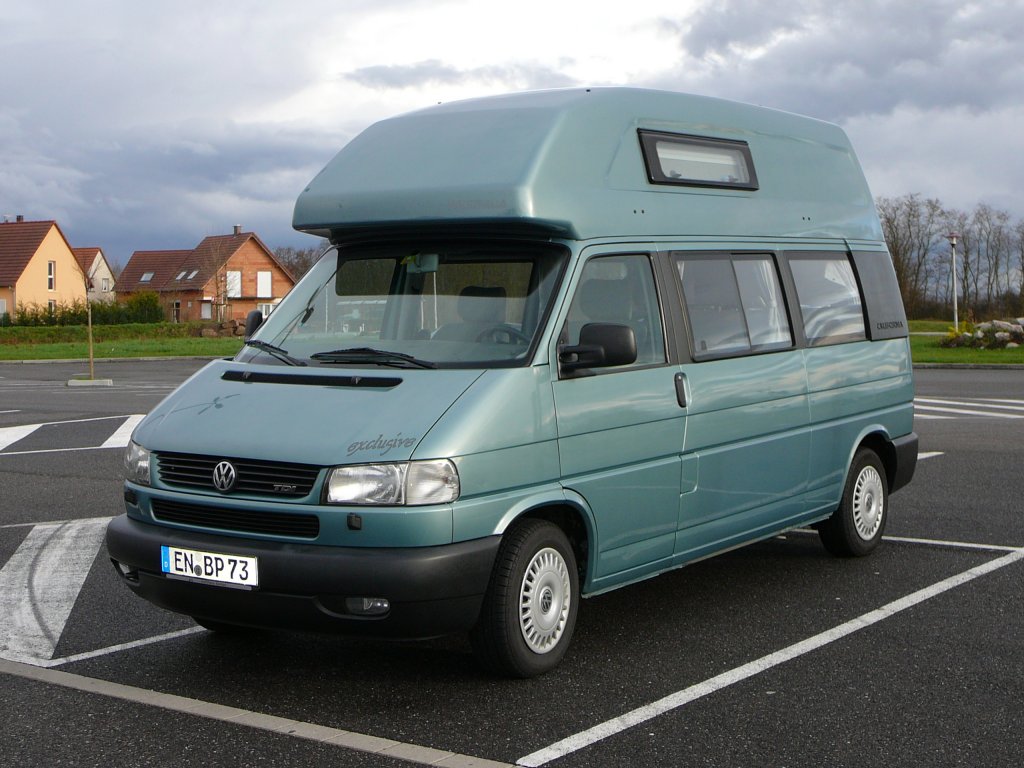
575, 519
878, 440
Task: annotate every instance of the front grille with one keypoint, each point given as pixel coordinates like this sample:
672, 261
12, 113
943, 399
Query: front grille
263, 478
243, 521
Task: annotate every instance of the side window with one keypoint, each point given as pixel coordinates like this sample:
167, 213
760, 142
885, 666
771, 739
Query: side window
734, 304
830, 301
620, 290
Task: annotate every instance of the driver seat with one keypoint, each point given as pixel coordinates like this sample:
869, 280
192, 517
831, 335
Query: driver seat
479, 307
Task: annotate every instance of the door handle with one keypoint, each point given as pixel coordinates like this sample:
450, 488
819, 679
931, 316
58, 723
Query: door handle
681, 389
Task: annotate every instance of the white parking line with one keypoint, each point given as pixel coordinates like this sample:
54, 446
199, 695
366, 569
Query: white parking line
967, 412
233, 715
974, 403
676, 700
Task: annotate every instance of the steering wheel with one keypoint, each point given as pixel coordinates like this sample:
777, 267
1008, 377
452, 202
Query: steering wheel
503, 334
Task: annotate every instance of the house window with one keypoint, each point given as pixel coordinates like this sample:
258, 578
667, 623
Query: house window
266, 309
146, 277
206, 310
234, 286
193, 273
181, 274
105, 284
51, 306
51, 275
263, 285
3, 307
176, 312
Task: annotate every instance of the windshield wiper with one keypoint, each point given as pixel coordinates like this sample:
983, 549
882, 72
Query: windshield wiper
370, 355
274, 351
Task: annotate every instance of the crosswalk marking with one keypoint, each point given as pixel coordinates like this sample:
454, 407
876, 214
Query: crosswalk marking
40, 583
118, 439
996, 408
10, 435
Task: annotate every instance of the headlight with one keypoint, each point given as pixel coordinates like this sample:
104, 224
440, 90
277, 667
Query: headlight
402, 483
136, 463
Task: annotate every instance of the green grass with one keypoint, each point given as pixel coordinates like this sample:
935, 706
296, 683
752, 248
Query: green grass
154, 347
930, 326
926, 349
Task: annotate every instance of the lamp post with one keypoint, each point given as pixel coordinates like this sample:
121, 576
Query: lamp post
952, 244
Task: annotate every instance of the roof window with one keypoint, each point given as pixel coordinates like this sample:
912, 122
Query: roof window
193, 273
697, 161
181, 274
146, 277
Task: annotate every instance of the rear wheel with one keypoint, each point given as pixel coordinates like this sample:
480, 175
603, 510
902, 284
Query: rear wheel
529, 610
856, 527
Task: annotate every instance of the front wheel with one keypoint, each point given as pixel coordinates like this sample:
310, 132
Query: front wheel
529, 610
856, 527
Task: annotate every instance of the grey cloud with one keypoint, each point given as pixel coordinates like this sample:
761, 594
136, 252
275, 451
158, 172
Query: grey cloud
838, 60
435, 72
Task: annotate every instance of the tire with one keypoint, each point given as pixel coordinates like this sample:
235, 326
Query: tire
529, 609
856, 527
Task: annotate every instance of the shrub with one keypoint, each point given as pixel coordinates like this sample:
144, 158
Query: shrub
994, 334
142, 307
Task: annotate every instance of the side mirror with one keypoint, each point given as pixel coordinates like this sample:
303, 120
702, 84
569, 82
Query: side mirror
252, 322
602, 345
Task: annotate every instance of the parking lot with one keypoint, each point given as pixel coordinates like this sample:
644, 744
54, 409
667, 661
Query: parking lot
775, 654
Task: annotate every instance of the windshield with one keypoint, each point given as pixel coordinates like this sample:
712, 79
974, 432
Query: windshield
425, 306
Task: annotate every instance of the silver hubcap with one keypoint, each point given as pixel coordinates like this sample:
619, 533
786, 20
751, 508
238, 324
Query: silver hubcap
868, 503
544, 600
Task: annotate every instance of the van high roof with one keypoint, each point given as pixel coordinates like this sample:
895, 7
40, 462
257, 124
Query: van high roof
585, 163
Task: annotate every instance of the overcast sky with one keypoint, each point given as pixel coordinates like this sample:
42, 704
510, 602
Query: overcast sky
143, 125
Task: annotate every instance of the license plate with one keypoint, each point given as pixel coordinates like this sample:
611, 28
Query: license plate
209, 566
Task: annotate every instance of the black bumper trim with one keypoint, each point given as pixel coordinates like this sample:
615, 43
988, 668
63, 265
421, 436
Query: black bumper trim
906, 461
432, 590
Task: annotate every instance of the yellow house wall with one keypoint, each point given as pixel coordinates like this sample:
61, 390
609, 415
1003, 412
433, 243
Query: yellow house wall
70, 285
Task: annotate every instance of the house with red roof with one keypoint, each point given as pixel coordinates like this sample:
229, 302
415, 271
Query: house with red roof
37, 266
97, 270
223, 278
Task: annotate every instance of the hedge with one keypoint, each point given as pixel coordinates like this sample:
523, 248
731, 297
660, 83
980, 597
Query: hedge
100, 333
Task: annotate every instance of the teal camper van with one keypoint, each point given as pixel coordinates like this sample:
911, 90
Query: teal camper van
562, 341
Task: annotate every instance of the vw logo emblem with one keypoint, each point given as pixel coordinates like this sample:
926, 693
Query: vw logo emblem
224, 476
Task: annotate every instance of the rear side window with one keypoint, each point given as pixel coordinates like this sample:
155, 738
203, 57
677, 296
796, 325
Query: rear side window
734, 304
830, 302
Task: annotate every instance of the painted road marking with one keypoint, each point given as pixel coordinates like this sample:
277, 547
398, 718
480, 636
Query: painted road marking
676, 700
928, 455
1009, 405
41, 670
40, 583
119, 439
9, 435
297, 728
967, 407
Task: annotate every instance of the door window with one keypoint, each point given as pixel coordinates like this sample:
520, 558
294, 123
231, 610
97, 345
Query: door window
620, 290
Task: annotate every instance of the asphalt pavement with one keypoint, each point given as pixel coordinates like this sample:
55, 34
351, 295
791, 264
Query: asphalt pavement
775, 654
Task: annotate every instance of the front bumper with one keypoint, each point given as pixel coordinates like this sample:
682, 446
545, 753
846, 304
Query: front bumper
432, 590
